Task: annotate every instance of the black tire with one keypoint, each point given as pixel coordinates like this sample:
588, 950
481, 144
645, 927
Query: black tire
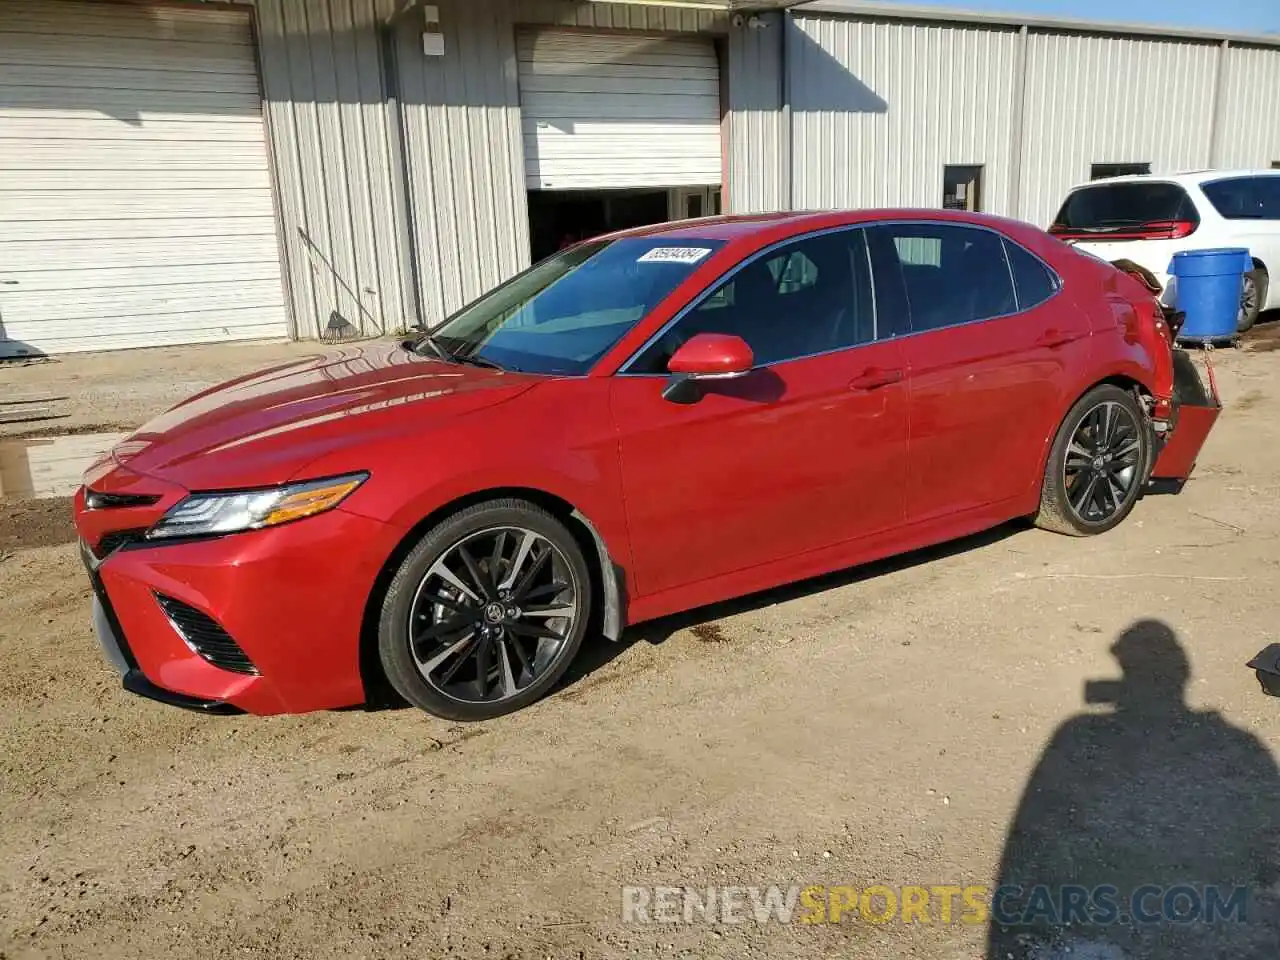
1057, 511
394, 647
1259, 280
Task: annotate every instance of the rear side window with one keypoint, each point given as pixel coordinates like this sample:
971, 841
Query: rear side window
1118, 206
1245, 198
951, 274
1033, 281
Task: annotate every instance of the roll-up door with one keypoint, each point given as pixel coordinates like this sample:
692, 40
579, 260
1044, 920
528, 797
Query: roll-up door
618, 110
135, 196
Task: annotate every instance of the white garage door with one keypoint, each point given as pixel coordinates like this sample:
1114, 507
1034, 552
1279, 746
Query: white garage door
618, 110
135, 201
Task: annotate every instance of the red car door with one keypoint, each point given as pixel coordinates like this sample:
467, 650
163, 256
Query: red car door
806, 451
989, 361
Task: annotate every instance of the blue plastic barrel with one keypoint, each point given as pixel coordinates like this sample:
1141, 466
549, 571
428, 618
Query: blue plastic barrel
1207, 289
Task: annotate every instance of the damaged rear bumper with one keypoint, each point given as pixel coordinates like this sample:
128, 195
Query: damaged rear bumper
1195, 410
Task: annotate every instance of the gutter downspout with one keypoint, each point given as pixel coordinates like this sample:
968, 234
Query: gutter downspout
788, 129
410, 287
1018, 121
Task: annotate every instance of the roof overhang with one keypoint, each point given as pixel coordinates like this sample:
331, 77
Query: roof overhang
723, 6
912, 11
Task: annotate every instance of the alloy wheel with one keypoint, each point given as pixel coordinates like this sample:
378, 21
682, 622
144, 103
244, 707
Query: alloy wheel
492, 614
1103, 463
1248, 296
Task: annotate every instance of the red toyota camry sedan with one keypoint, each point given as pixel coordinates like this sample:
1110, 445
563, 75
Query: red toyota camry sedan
640, 424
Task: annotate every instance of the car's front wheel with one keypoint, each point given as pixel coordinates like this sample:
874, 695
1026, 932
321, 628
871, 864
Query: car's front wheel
1099, 462
486, 612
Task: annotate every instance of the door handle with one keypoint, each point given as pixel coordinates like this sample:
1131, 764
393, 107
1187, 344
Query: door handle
1054, 338
873, 378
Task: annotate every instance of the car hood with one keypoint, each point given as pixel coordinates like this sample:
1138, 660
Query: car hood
267, 427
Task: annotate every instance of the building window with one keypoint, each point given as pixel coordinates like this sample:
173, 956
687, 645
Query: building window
962, 188
1101, 170
1275, 164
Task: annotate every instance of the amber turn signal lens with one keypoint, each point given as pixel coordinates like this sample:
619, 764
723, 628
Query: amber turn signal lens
308, 502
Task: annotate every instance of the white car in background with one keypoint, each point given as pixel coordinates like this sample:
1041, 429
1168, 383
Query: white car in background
1148, 218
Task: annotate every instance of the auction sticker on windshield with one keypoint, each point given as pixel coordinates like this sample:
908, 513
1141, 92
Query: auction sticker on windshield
674, 255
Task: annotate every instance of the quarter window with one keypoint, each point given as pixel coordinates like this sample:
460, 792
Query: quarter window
950, 274
1245, 198
1033, 282
810, 296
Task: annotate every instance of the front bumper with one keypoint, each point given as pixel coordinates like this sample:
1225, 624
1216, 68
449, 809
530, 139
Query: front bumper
292, 597
119, 655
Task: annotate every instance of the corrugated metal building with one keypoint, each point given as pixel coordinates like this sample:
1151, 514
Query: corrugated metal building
193, 172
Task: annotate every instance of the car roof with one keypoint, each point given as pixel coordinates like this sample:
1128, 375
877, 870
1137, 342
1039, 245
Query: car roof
1184, 178
781, 224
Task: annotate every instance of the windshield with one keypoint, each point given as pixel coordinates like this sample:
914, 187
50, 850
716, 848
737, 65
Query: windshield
561, 315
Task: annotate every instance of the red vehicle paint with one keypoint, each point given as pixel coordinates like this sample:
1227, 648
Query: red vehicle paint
725, 468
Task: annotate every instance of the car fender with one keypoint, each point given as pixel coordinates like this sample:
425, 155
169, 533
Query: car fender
542, 447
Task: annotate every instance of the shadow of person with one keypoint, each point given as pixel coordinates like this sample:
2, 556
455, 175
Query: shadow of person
1149, 831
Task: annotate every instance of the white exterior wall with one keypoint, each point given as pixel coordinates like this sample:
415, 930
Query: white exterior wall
756, 122
1249, 111
333, 97
1093, 99
951, 95
879, 107
322, 79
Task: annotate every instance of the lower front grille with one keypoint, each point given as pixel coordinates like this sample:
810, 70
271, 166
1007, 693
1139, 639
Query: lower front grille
205, 636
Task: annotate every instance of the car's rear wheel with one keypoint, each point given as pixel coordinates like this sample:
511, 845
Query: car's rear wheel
486, 612
1099, 462
1252, 297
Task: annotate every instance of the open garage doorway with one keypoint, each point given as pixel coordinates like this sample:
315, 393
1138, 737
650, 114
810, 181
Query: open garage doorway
558, 218
619, 130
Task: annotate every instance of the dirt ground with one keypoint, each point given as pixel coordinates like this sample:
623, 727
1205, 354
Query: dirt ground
875, 727
99, 392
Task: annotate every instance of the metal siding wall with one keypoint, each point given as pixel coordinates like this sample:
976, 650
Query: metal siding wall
462, 127
322, 77
1249, 125
1095, 99
462, 132
756, 135
880, 107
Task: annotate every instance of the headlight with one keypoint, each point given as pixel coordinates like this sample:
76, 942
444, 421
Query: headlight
210, 514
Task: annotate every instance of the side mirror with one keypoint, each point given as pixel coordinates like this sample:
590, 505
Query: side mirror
706, 356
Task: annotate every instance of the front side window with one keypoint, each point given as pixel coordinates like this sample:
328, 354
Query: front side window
1245, 198
561, 315
806, 297
949, 273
